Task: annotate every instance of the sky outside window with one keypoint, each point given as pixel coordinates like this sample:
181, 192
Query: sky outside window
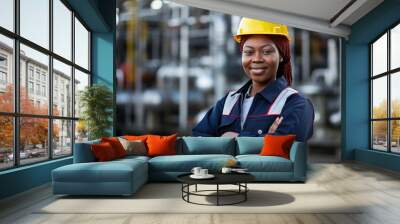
35, 27
62, 29
395, 47
81, 45
7, 14
379, 56
35, 21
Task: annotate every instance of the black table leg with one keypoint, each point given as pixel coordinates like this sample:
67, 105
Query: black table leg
245, 193
182, 190
217, 194
188, 190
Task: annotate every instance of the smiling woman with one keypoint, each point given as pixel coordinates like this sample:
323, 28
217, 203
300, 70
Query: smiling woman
266, 104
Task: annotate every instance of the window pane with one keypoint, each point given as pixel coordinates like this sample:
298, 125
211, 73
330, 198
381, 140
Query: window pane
7, 14
395, 135
81, 45
379, 135
62, 89
62, 141
33, 140
6, 74
6, 142
81, 81
395, 94
34, 78
62, 29
35, 21
81, 132
379, 55
395, 47
379, 98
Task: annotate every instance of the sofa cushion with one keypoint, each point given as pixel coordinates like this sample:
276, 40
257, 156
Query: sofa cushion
161, 145
103, 151
257, 163
111, 171
132, 158
207, 145
135, 147
135, 137
116, 145
185, 163
249, 145
277, 145
83, 152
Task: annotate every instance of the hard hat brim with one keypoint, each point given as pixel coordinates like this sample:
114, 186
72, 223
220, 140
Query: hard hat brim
238, 38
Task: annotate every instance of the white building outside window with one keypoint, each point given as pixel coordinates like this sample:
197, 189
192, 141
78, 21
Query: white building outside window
3, 78
37, 89
30, 87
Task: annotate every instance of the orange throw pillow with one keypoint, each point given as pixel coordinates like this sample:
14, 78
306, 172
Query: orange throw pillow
135, 137
103, 151
161, 145
116, 145
277, 145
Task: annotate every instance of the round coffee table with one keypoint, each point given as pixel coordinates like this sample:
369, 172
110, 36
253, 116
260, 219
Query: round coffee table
238, 179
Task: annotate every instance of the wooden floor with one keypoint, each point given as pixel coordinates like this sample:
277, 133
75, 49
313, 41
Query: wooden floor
377, 188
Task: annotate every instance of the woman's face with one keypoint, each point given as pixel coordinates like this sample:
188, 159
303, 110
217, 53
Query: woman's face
260, 59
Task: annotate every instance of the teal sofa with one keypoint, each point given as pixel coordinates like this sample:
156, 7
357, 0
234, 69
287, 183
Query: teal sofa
125, 176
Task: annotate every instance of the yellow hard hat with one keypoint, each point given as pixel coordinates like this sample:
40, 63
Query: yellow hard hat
252, 26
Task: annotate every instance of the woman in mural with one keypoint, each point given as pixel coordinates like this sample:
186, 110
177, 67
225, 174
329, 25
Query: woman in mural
266, 104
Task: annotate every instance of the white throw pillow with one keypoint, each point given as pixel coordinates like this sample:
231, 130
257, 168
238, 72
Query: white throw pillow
136, 147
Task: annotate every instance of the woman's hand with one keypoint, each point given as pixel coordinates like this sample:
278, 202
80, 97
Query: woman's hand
230, 134
275, 125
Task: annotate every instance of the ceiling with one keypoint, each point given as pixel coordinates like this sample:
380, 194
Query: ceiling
333, 17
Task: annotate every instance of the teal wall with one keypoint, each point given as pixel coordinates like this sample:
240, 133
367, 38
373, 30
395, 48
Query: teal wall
99, 16
356, 100
103, 51
94, 13
381, 159
103, 66
24, 178
355, 97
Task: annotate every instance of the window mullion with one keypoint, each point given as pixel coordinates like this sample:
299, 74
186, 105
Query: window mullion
371, 98
16, 84
50, 81
73, 83
89, 55
389, 106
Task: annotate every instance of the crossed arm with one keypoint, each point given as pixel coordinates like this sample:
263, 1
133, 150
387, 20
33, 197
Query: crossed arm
297, 119
271, 129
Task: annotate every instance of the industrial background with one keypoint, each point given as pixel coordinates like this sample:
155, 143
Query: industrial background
174, 62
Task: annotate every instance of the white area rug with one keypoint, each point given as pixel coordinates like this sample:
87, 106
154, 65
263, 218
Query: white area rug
166, 198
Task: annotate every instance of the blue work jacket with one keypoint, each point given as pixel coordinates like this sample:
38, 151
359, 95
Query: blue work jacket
297, 113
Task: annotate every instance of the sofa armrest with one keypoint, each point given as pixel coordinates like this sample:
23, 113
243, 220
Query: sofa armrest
298, 155
83, 152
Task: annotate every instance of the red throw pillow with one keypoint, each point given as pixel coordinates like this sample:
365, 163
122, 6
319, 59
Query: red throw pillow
161, 145
277, 145
116, 145
135, 137
103, 151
